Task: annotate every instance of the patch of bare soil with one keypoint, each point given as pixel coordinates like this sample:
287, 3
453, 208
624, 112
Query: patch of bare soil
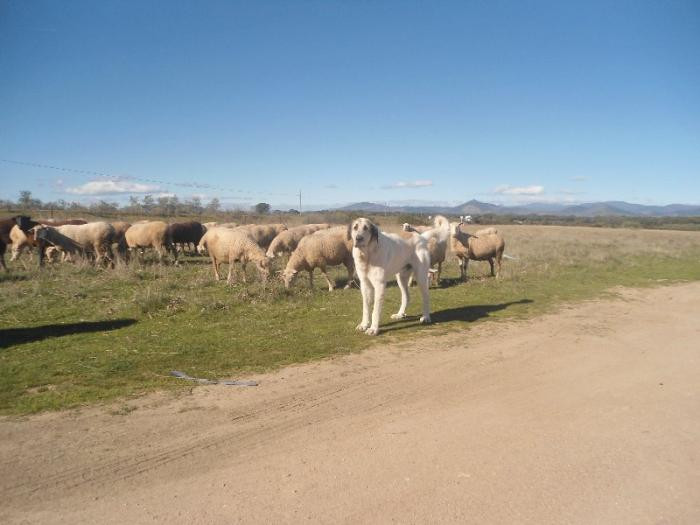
589, 415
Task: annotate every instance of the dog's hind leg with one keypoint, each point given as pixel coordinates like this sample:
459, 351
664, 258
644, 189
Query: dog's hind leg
422, 279
402, 280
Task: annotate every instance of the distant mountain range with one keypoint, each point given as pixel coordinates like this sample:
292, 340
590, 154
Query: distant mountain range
592, 209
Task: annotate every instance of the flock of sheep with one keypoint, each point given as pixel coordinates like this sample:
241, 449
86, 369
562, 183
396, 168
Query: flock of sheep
308, 246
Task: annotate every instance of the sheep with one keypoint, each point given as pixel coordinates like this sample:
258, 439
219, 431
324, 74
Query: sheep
484, 245
59, 242
321, 249
224, 244
93, 237
263, 233
209, 225
184, 233
6, 225
153, 234
287, 241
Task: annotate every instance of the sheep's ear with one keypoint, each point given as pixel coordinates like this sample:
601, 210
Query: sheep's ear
349, 233
374, 233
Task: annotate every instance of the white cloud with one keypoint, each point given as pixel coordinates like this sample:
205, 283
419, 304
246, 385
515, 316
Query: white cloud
409, 184
111, 187
505, 189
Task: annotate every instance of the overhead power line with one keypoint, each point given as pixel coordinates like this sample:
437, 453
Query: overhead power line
115, 178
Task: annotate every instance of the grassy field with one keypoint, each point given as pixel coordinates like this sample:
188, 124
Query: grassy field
72, 335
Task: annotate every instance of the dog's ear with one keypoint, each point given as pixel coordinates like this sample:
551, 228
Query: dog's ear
349, 234
374, 233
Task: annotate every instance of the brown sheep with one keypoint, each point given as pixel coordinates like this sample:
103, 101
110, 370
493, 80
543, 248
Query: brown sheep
320, 250
484, 245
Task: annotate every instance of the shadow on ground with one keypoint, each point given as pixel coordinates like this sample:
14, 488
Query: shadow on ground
465, 314
18, 336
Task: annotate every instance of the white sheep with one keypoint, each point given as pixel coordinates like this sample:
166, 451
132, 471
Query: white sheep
150, 234
484, 245
319, 250
288, 240
224, 244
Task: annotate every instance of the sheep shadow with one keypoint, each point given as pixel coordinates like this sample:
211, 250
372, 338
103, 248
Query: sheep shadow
465, 314
12, 277
18, 336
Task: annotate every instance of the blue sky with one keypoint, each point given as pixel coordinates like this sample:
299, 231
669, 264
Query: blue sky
348, 101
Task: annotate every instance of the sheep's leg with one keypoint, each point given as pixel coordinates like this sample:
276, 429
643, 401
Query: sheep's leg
16, 252
402, 279
2, 256
331, 285
437, 275
499, 260
493, 274
230, 277
351, 276
243, 266
215, 264
464, 267
367, 296
379, 288
311, 279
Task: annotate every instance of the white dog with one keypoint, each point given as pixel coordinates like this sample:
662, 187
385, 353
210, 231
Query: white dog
380, 255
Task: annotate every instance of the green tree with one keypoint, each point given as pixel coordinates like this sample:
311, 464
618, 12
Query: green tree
214, 205
262, 208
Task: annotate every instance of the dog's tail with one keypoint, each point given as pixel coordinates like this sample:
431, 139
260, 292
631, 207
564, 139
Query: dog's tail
439, 231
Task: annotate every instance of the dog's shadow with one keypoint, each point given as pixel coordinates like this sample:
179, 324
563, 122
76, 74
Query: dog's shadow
465, 314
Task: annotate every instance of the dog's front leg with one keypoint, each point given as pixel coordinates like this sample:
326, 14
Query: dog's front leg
379, 286
367, 295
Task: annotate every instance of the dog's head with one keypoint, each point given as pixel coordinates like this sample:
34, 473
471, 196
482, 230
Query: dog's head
362, 232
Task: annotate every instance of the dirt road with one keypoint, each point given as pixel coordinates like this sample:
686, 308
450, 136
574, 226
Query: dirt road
589, 415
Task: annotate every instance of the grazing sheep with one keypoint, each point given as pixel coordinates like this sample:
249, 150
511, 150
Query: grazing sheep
438, 236
94, 237
6, 225
224, 244
319, 250
152, 234
484, 245
186, 233
287, 241
263, 233
120, 228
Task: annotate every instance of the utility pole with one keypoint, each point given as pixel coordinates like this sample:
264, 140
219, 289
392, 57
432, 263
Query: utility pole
299, 202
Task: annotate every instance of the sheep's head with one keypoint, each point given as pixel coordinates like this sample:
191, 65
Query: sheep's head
202, 248
406, 227
38, 232
455, 229
288, 277
362, 232
264, 268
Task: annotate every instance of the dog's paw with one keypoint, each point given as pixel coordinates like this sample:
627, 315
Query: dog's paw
425, 319
361, 327
398, 316
372, 331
